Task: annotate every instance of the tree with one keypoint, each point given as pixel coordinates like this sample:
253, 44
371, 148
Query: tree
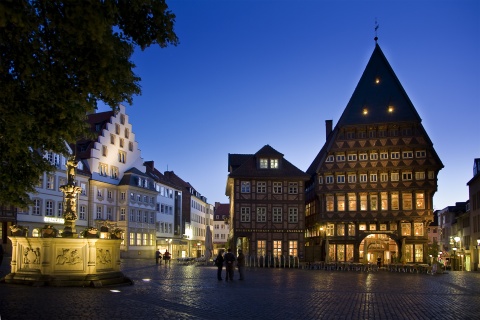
57, 60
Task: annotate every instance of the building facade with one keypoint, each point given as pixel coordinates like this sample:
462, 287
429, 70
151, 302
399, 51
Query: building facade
267, 203
221, 228
371, 187
474, 208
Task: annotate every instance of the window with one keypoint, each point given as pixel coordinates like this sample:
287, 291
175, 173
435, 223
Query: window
117, 128
394, 176
50, 182
407, 201
49, 208
123, 195
361, 134
395, 155
406, 229
395, 203
99, 193
277, 248
127, 133
371, 134
340, 157
277, 187
292, 215
130, 146
277, 214
263, 163
340, 229
341, 202
352, 178
112, 139
293, 248
384, 155
60, 209
352, 202
352, 157
406, 176
351, 229
122, 142
131, 217
103, 169
109, 213
139, 216
420, 200
330, 158
330, 229
363, 202
363, 157
420, 154
384, 200
273, 163
261, 247
374, 202
329, 179
122, 214
420, 175
122, 156
104, 151
341, 179
244, 214
329, 202
99, 213
373, 156
82, 213
363, 177
431, 175
373, 177
383, 177
407, 154
261, 214
245, 187
293, 187
122, 118
261, 187
418, 229
109, 194
351, 135
372, 227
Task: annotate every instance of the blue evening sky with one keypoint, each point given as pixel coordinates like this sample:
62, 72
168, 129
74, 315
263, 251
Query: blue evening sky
256, 72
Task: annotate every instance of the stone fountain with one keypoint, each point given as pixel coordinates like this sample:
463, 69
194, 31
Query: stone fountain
67, 260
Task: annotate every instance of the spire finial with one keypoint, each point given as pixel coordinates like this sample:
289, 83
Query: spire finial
376, 28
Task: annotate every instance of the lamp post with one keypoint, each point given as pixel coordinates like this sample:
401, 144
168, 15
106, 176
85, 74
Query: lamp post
454, 258
457, 240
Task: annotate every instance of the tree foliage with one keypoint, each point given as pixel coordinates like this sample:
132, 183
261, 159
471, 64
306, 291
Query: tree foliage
57, 60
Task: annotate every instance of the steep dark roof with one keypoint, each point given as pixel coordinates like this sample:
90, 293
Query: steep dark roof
249, 166
222, 209
375, 97
97, 122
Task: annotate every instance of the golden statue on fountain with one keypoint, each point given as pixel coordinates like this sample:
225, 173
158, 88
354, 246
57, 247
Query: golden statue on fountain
71, 192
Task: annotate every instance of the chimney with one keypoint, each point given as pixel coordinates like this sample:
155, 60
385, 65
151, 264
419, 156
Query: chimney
149, 165
328, 127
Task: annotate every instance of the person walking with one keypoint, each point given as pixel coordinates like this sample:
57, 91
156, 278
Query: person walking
241, 264
166, 257
229, 264
158, 256
219, 263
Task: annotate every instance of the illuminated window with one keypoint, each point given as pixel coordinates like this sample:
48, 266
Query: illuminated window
373, 177
261, 247
373, 202
352, 202
277, 248
340, 229
122, 156
420, 175
82, 213
293, 248
330, 229
329, 202
420, 200
418, 229
372, 227
263, 163
407, 201
351, 229
383, 177
394, 176
341, 202
363, 202
384, 200
352, 178
395, 203
406, 229
50, 182
122, 214
273, 163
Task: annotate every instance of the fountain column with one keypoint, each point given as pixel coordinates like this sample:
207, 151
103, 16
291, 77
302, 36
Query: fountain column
70, 191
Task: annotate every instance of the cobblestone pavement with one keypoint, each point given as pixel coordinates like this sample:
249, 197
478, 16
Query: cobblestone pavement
193, 292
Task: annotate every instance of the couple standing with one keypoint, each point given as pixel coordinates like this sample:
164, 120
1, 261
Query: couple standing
229, 261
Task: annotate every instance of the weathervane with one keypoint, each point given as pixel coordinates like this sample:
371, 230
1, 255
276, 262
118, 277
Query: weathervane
376, 28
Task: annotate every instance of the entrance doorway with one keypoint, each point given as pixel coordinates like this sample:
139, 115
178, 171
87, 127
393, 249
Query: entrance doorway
378, 249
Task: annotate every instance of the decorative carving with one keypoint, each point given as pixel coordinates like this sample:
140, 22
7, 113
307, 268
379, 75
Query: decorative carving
68, 257
104, 256
31, 256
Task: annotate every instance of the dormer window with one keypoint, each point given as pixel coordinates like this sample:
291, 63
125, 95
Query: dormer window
263, 163
274, 163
